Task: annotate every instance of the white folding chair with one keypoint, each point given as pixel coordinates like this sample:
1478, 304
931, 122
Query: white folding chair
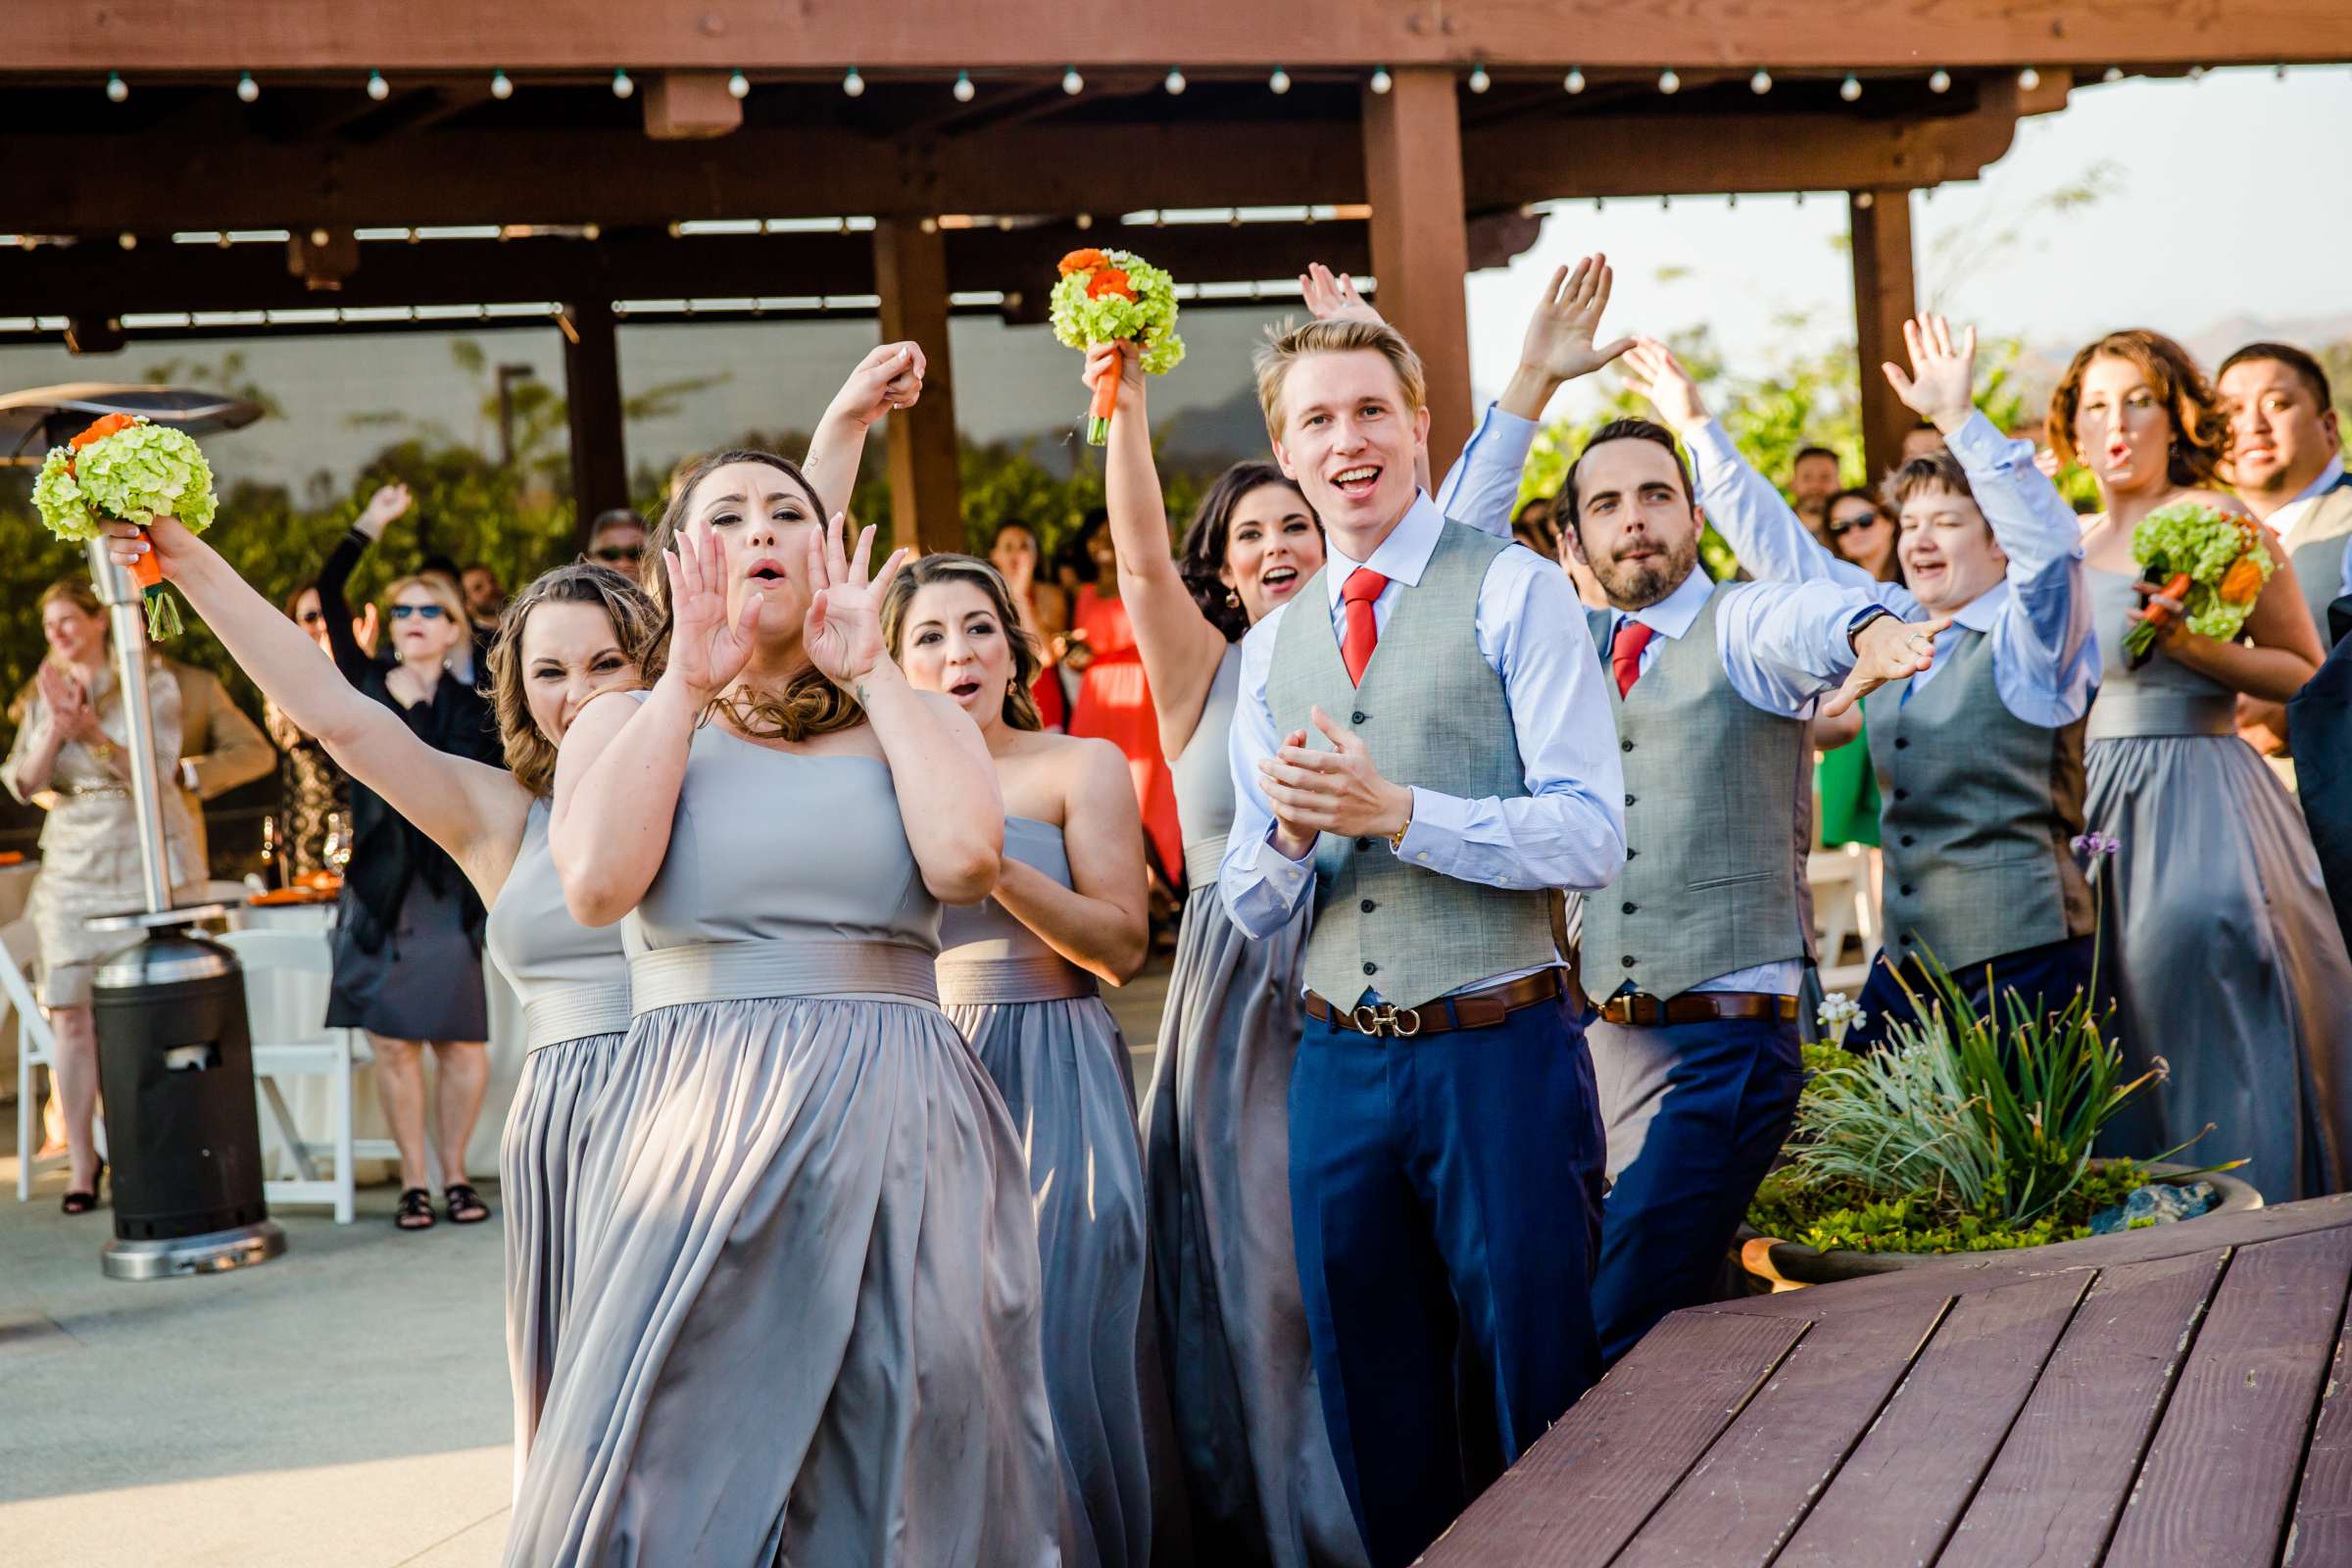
1845, 904
36, 1048
288, 977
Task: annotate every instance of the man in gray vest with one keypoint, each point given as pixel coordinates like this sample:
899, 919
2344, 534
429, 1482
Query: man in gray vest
1425, 746
1696, 952
1978, 759
2286, 461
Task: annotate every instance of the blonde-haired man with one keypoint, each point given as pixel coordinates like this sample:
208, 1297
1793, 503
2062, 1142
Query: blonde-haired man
1423, 745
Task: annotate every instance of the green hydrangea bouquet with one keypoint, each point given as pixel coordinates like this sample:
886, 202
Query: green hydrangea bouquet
2213, 563
125, 469
1111, 297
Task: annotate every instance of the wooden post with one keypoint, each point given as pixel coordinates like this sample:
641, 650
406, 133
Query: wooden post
1883, 299
926, 498
1420, 238
600, 466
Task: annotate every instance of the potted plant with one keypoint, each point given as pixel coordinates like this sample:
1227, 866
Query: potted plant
1970, 1133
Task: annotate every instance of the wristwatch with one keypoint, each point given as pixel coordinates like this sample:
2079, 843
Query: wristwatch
1853, 633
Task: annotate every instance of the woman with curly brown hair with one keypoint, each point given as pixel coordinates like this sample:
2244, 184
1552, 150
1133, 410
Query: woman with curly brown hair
2229, 965
575, 632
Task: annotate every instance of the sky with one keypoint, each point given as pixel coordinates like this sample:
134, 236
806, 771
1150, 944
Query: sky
2224, 211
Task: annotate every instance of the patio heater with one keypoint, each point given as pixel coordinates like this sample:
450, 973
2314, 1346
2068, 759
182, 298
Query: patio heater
174, 1059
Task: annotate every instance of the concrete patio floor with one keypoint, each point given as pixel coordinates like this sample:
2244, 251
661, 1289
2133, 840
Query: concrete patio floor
344, 1405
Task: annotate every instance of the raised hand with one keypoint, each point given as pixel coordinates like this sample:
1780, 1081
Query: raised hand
1941, 385
1559, 341
1653, 372
1338, 791
167, 538
1332, 296
889, 377
705, 653
69, 710
843, 630
1888, 648
1124, 360
383, 508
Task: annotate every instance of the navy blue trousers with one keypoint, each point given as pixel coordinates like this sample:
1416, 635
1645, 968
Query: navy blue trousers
1445, 1198
2047, 977
1694, 1114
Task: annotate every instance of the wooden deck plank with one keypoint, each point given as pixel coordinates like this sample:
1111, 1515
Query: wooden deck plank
1751, 1492
1576, 1497
2053, 1493
1898, 1496
1964, 1277
2322, 1532
2218, 1479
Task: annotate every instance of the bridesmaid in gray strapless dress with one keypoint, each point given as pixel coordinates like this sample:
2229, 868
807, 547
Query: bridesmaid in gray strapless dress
1040, 1027
2229, 962
574, 987
1018, 975
1257, 1461
804, 1324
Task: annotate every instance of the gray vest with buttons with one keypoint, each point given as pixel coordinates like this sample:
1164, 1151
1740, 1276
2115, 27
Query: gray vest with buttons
1708, 886
1432, 711
1977, 810
2318, 553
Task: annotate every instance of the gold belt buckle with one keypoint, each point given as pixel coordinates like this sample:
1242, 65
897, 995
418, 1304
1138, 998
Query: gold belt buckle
1386, 1019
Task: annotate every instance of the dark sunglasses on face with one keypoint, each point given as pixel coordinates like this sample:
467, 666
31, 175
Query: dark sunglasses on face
618, 552
313, 618
427, 612
1835, 529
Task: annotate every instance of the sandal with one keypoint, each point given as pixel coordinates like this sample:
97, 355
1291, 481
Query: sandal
82, 1200
465, 1205
415, 1210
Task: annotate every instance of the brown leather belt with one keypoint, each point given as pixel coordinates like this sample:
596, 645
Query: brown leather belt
1475, 1010
1699, 1007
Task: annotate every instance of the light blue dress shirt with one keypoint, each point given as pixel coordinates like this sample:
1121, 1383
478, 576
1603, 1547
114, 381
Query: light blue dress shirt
2045, 659
1568, 831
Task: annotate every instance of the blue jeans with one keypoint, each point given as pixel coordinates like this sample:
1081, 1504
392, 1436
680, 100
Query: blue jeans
1695, 1114
1445, 1196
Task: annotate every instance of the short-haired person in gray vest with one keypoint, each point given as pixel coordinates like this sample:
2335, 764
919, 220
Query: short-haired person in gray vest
2286, 463
1980, 759
1422, 744
1697, 952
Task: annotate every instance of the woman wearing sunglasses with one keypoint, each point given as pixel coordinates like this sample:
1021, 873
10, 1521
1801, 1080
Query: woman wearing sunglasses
409, 931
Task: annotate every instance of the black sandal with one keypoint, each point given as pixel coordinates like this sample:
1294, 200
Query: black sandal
465, 1205
82, 1200
415, 1210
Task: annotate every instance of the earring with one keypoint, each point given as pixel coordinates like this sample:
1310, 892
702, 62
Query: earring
1233, 599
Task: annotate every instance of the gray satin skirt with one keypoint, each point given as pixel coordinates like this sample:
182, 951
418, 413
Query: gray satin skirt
1257, 1462
804, 1311
536, 1162
2227, 960
1063, 1070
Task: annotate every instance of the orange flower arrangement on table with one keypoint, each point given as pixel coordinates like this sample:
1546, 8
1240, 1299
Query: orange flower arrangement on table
1115, 297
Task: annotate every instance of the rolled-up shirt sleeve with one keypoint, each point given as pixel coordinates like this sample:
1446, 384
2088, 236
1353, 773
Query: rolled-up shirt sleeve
2045, 656
1262, 888
1481, 489
1784, 644
1568, 830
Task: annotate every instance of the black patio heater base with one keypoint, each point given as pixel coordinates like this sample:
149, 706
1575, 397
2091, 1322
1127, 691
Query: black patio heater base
176, 1064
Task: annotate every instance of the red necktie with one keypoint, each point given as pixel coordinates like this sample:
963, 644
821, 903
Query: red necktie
1625, 654
1363, 585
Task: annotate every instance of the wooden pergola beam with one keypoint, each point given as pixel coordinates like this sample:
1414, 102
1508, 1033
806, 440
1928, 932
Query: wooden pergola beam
169, 182
926, 501
947, 35
1413, 166
600, 465
1884, 296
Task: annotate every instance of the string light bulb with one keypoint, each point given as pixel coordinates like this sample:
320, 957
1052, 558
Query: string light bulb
1072, 82
116, 89
1279, 82
1851, 88
739, 86
1939, 80
622, 87
1480, 81
1761, 82
1668, 82
1174, 81
963, 88
501, 89
128, 240
377, 87
2029, 78
2279, 71
248, 89
2196, 73
1086, 220
2111, 73
853, 84
1382, 81
1574, 82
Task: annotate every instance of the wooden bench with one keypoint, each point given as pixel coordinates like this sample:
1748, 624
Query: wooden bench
2175, 1395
